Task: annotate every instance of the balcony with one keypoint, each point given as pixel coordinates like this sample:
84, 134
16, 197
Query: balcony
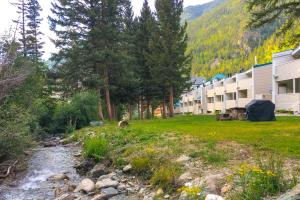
288, 102
219, 90
242, 102
210, 107
230, 104
219, 106
210, 93
231, 87
245, 83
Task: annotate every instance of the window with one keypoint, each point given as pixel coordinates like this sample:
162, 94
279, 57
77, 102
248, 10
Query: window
297, 85
243, 94
285, 87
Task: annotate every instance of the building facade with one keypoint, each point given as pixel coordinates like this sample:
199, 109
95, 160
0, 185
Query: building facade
286, 80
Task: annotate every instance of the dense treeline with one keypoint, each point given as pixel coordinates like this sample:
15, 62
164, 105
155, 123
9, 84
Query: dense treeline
128, 61
221, 42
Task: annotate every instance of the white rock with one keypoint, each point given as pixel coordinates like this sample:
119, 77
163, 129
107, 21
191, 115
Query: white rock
166, 196
105, 183
185, 177
127, 168
108, 176
86, 185
183, 159
99, 197
213, 197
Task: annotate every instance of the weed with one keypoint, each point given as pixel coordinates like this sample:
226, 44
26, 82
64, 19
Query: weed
120, 162
96, 148
142, 166
262, 180
193, 193
166, 177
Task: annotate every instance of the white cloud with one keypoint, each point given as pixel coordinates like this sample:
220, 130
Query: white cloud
8, 13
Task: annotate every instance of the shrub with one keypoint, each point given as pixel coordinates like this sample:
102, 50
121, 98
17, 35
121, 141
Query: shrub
96, 148
142, 166
79, 112
14, 131
259, 181
166, 177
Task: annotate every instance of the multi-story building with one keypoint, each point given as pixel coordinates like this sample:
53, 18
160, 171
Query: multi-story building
192, 101
286, 80
278, 81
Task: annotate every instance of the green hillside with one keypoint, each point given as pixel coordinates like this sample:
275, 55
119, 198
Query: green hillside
220, 43
192, 12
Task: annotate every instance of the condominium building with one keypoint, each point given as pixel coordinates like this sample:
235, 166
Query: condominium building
286, 80
192, 101
238, 90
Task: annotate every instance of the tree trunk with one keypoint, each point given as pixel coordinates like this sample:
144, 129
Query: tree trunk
152, 111
164, 108
23, 30
130, 111
171, 103
100, 110
148, 109
107, 95
142, 109
138, 108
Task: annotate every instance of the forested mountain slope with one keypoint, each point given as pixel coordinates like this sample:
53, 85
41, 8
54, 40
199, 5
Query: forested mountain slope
220, 43
192, 12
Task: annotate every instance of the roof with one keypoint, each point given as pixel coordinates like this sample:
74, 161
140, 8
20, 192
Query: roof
219, 77
262, 65
197, 80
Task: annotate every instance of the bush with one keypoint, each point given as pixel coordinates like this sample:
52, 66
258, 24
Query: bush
142, 166
166, 177
96, 148
14, 131
79, 112
265, 179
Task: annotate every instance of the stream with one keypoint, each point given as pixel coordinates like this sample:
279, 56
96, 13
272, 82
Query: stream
44, 163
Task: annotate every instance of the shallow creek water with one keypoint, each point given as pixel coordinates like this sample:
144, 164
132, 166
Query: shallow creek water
44, 163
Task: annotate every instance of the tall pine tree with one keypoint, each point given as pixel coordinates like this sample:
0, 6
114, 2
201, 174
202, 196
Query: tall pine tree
174, 63
33, 33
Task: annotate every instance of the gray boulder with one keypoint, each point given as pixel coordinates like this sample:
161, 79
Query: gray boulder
98, 170
294, 194
105, 183
109, 192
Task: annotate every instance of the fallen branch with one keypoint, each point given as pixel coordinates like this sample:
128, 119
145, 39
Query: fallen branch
9, 169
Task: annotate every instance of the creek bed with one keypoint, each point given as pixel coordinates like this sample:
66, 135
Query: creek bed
44, 163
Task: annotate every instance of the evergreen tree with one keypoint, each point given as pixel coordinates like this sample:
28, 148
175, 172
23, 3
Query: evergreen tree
33, 34
22, 8
266, 11
175, 67
96, 29
144, 33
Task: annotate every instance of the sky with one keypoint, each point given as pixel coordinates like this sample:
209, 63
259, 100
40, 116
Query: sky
8, 13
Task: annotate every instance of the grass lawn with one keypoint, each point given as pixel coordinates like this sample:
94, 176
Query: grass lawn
281, 136
153, 148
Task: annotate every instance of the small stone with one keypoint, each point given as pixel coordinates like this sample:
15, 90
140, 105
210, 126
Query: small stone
166, 196
65, 197
213, 182
213, 197
99, 197
159, 192
183, 159
127, 168
183, 195
105, 183
109, 192
123, 124
225, 189
99, 170
108, 176
58, 177
86, 185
